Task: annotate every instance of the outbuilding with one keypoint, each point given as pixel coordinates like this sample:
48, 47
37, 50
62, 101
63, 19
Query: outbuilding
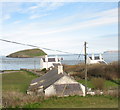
48, 62
56, 83
93, 59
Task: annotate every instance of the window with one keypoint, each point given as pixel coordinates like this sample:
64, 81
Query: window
97, 58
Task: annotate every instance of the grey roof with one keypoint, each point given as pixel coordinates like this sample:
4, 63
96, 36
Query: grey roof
46, 80
68, 89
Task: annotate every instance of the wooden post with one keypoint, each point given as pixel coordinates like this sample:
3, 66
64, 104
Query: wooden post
85, 68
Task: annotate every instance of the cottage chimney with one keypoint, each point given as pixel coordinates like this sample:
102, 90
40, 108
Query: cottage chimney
56, 59
60, 69
101, 58
46, 58
93, 57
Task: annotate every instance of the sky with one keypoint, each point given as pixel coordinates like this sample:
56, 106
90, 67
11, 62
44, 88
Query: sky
59, 25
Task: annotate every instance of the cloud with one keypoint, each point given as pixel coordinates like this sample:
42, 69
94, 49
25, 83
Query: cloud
54, 5
41, 7
9, 8
102, 18
60, 1
47, 29
109, 13
17, 22
87, 24
32, 9
6, 17
92, 20
37, 16
57, 33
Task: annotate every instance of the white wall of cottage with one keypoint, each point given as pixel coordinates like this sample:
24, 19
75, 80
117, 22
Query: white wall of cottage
46, 64
50, 91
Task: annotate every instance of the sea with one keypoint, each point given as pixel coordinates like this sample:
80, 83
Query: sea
34, 63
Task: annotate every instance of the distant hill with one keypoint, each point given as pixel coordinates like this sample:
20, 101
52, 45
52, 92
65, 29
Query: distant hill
111, 51
27, 53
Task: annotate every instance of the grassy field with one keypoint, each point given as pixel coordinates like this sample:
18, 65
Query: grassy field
108, 84
77, 102
20, 80
16, 81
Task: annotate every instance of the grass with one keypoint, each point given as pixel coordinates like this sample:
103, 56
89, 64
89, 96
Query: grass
17, 81
14, 93
77, 102
108, 84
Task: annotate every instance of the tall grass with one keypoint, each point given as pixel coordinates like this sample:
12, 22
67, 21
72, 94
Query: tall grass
108, 72
14, 99
76, 102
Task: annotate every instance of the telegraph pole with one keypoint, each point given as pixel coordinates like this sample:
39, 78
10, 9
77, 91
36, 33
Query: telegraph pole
85, 67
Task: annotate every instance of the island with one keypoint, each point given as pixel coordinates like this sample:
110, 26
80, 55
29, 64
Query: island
28, 53
111, 51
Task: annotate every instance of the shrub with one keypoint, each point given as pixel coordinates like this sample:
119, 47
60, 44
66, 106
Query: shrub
98, 83
108, 72
44, 69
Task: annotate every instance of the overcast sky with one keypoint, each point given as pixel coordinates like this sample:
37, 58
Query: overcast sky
60, 25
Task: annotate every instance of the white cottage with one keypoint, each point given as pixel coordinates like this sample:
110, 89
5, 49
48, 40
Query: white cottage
95, 59
48, 62
56, 83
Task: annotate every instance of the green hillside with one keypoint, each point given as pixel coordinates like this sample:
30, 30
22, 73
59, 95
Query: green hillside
28, 53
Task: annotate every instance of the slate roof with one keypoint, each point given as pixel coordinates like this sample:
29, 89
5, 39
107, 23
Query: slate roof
46, 80
68, 89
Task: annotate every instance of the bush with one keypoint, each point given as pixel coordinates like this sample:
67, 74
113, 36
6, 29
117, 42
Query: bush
98, 83
108, 72
44, 69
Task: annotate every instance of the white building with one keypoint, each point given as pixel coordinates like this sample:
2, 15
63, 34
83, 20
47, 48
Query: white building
48, 62
57, 83
95, 59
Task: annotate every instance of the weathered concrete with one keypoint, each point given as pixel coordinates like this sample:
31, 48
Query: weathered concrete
50, 91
